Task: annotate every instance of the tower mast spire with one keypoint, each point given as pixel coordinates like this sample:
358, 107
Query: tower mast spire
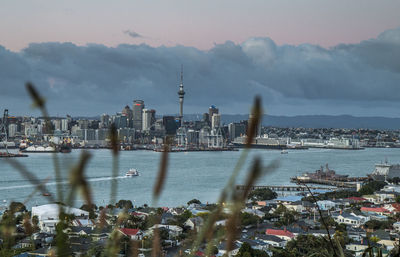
181, 94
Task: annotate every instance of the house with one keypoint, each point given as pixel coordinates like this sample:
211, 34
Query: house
222, 249
195, 223
166, 217
295, 206
48, 215
372, 198
255, 244
83, 223
326, 205
95, 233
386, 196
173, 230
281, 233
132, 233
358, 247
356, 234
356, 200
375, 210
393, 208
396, 226
255, 212
272, 240
350, 219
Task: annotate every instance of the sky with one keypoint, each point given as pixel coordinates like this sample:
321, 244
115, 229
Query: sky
301, 56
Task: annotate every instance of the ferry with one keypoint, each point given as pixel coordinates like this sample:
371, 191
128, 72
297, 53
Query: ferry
132, 173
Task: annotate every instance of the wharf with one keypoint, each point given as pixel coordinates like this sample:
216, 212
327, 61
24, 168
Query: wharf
196, 150
12, 155
291, 188
352, 183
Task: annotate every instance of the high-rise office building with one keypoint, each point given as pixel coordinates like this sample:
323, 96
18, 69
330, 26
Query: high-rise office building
148, 119
128, 113
216, 120
211, 111
104, 121
64, 124
138, 106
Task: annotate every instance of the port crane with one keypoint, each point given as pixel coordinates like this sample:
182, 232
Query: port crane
3, 129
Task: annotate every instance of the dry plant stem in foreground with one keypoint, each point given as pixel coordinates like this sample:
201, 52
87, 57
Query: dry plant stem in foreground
115, 151
229, 189
162, 173
39, 102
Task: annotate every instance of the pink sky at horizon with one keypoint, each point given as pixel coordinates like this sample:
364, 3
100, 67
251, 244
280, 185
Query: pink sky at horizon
200, 24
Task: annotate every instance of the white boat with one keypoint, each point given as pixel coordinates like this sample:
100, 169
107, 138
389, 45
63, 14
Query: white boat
132, 173
284, 152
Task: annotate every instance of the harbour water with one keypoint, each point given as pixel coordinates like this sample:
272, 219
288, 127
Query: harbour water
200, 175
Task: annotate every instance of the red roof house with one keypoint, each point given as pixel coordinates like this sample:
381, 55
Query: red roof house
133, 233
281, 233
378, 210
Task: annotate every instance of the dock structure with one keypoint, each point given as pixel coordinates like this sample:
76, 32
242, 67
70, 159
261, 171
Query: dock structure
280, 188
336, 183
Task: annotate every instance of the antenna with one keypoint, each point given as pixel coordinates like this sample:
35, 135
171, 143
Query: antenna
181, 73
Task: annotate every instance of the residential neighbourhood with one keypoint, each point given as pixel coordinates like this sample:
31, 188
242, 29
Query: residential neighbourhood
269, 226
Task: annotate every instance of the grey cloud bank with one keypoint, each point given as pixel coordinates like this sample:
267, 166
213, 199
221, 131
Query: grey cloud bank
359, 79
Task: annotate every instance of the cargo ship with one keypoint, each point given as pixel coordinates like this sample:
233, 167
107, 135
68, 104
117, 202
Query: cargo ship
384, 171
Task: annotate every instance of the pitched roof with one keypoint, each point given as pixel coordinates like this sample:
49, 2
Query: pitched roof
279, 232
358, 199
374, 209
129, 231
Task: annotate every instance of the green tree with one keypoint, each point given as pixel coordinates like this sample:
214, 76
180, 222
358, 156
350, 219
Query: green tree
17, 207
248, 219
193, 201
371, 187
261, 194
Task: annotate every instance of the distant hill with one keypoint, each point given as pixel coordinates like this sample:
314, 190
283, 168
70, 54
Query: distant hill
315, 121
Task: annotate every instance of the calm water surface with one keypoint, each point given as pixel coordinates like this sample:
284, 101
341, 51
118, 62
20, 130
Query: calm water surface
199, 175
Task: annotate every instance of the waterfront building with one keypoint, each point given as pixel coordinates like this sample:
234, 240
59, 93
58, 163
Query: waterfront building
57, 124
138, 106
126, 135
170, 125
128, 113
104, 121
64, 125
83, 124
236, 130
12, 130
149, 117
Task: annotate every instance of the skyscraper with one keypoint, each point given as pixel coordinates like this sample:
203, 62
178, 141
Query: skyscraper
138, 106
181, 94
211, 111
127, 112
147, 119
216, 120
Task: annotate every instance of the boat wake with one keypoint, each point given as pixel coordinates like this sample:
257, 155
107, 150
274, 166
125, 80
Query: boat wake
96, 179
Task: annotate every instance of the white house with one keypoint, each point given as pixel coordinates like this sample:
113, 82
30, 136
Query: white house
350, 219
326, 205
48, 215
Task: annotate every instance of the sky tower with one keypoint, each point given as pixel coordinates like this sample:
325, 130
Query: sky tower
181, 94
